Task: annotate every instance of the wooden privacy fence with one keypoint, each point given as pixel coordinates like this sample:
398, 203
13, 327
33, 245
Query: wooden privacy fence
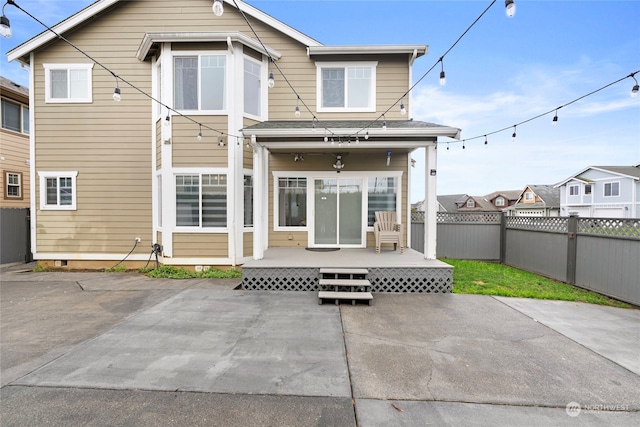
14, 235
600, 254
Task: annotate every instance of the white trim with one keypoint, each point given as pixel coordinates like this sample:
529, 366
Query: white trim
32, 158
604, 186
89, 256
228, 77
264, 102
44, 175
389, 49
68, 67
371, 108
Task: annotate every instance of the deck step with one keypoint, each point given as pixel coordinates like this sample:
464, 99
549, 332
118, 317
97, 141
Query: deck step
345, 283
337, 296
344, 271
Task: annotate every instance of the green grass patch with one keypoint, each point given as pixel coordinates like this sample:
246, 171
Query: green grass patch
171, 272
486, 278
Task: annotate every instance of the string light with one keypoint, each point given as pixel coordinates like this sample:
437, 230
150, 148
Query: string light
513, 137
199, 137
218, 7
443, 79
221, 142
634, 90
5, 24
447, 146
272, 81
366, 135
297, 112
167, 120
384, 123
463, 146
403, 110
116, 94
486, 142
510, 6
554, 122
313, 124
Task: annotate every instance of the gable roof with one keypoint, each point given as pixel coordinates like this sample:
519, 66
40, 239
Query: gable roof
481, 204
508, 194
625, 171
549, 194
449, 202
11, 86
22, 51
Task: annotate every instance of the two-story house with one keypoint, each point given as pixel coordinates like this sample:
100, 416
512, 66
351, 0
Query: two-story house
233, 134
14, 150
536, 200
602, 192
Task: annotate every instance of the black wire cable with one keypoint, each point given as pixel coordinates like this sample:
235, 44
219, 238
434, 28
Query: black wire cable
116, 76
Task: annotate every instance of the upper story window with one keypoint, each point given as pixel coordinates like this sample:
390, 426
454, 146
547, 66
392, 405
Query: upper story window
574, 190
199, 82
587, 189
252, 87
611, 189
15, 117
58, 190
346, 86
528, 196
500, 201
68, 83
471, 203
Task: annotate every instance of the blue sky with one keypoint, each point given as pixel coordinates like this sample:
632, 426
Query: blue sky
504, 71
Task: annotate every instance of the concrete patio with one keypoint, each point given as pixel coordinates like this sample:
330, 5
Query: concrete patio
121, 349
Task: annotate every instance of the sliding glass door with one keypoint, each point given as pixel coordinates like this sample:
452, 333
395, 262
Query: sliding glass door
338, 212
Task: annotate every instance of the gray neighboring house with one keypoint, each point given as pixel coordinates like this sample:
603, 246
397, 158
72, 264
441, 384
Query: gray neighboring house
602, 192
537, 200
451, 202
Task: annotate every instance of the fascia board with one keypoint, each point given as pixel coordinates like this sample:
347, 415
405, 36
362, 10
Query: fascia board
46, 36
443, 131
363, 145
184, 37
368, 50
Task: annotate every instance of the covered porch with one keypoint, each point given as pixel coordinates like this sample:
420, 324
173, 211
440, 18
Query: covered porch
298, 269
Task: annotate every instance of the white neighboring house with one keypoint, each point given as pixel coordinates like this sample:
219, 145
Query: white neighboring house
602, 192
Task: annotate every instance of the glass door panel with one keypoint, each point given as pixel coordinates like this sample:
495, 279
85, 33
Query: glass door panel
350, 212
326, 221
338, 212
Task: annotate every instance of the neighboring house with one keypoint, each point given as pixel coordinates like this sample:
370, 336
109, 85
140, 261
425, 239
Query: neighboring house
536, 200
602, 192
450, 202
14, 149
108, 172
503, 199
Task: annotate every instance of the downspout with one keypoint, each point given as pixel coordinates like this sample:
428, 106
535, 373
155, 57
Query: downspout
32, 155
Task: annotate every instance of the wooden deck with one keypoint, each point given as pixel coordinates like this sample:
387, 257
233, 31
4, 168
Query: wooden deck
388, 271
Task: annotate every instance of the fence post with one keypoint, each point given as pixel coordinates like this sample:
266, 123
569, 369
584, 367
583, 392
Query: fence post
572, 248
503, 237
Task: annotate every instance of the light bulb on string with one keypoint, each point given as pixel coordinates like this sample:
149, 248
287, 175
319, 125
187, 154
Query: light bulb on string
554, 122
357, 139
218, 7
463, 146
443, 79
199, 137
116, 94
447, 146
221, 142
486, 142
513, 137
5, 24
403, 110
167, 120
366, 135
634, 90
510, 6
272, 81
297, 112
384, 123
313, 124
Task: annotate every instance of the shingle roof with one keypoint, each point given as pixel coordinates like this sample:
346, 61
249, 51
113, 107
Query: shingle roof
6, 83
625, 170
345, 124
449, 201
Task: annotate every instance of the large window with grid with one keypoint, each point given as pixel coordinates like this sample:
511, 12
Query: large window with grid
201, 200
199, 82
383, 196
292, 202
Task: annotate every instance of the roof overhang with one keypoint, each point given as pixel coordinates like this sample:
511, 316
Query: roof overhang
150, 39
417, 50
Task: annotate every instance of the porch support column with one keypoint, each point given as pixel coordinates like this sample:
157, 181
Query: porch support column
259, 206
430, 204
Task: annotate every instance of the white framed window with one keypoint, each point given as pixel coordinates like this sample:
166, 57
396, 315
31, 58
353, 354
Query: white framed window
248, 201
346, 86
201, 200
252, 87
382, 195
199, 81
528, 196
588, 189
292, 202
15, 116
611, 189
70, 83
471, 203
500, 201
574, 190
13, 185
58, 190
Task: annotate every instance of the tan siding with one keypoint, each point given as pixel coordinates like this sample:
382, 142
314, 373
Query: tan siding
199, 245
189, 152
14, 150
248, 244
